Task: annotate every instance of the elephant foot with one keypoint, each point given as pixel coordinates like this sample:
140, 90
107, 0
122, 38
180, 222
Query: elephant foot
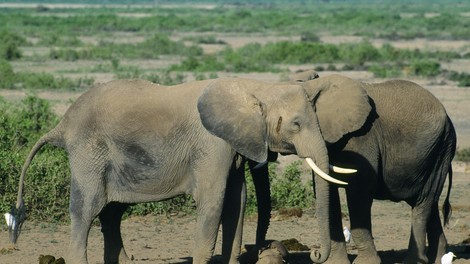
337, 260
367, 259
126, 260
415, 259
338, 254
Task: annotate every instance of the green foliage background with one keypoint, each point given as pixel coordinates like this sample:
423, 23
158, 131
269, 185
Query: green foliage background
47, 181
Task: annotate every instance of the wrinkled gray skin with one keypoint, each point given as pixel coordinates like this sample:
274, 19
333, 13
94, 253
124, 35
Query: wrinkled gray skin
261, 175
131, 141
400, 139
273, 253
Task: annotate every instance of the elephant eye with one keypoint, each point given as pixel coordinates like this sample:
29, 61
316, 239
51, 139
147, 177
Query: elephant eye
296, 125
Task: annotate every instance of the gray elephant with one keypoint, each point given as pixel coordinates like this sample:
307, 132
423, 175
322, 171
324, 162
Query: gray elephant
132, 141
261, 175
401, 141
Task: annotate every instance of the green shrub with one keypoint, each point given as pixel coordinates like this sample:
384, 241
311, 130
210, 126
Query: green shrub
425, 68
9, 45
180, 204
385, 70
462, 78
47, 180
54, 39
64, 54
206, 63
309, 36
288, 190
358, 54
7, 79
33, 80
9, 51
463, 155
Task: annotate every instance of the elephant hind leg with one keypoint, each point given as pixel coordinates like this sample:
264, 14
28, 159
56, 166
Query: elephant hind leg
436, 237
110, 218
419, 222
85, 206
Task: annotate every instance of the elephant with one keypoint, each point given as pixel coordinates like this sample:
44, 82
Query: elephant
260, 174
402, 151
401, 141
133, 141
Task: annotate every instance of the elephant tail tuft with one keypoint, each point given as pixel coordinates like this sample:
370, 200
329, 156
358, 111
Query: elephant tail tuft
446, 207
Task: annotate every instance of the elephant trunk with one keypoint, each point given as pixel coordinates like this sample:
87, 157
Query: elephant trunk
322, 191
316, 149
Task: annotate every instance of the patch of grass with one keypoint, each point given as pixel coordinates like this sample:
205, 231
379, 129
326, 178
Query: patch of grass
287, 189
34, 80
151, 48
47, 181
463, 155
462, 78
425, 68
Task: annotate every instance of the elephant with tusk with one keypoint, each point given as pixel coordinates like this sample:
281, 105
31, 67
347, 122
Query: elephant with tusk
132, 141
401, 141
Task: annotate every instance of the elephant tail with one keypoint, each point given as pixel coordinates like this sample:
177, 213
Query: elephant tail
17, 215
446, 207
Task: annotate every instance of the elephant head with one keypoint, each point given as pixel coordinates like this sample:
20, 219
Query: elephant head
341, 106
254, 117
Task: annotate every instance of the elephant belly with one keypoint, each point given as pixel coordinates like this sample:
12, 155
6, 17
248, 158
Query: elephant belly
140, 175
401, 185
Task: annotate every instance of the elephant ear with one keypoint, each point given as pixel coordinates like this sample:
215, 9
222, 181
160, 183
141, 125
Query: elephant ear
342, 105
229, 111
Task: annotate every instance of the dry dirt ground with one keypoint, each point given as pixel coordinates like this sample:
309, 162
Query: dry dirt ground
169, 239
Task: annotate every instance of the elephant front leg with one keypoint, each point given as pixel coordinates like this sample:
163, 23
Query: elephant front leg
338, 254
232, 216
209, 198
361, 227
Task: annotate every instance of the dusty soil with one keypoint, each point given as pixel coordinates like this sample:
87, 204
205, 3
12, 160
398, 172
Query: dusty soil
169, 239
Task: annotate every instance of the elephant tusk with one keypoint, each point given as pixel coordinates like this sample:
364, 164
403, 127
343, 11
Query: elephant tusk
259, 165
342, 170
322, 174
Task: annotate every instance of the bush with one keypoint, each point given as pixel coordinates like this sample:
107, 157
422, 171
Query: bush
9, 45
288, 190
358, 54
47, 180
34, 80
425, 68
463, 155
385, 70
462, 78
7, 79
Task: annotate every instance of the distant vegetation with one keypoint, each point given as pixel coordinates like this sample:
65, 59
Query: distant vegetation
62, 33
463, 155
121, 40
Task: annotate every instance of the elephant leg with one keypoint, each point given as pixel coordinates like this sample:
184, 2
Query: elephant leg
232, 216
338, 254
436, 238
110, 218
211, 182
207, 226
359, 204
417, 245
263, 198
83, 210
